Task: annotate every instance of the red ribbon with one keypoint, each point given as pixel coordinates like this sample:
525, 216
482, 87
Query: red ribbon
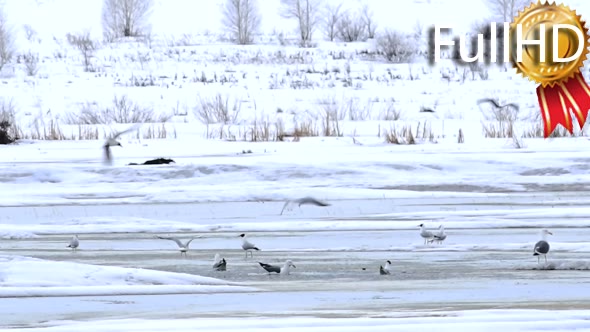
559, 100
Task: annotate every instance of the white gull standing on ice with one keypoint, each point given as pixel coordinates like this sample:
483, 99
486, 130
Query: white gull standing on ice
247, 245
425, 234
440, 236
74, 243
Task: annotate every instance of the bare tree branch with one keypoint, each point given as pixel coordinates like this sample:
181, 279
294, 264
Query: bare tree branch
307, 14
242, 19
506, 10
418, 30
332, 15
6, 41
370, 25
87, 47
125, 18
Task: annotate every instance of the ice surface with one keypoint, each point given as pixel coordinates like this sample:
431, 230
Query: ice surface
24, 276
71, 172
477, 320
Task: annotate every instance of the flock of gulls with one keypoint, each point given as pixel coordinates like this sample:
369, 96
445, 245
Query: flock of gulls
541, 248
438, 236
430, 237
219, 263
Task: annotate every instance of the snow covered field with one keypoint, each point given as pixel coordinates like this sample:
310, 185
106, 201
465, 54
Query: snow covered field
516, 320
493, 195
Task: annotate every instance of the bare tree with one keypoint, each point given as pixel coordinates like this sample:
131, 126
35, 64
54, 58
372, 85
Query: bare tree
30, 33
125, 18
242, 18
307, 14
506, 10
331, 17
6, 40
418, 30
351, 28
370, 25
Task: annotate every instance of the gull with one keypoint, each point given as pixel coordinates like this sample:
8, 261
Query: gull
74, 243
303, 201
497, 104
183, 247
542, 246
425, 234
383, 270
247, 245
278, 269
219, 264
112, 141
440, 236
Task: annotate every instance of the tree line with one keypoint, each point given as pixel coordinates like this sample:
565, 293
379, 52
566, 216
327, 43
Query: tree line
242, 18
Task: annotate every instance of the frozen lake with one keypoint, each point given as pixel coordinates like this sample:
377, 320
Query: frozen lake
390, 143
485, 263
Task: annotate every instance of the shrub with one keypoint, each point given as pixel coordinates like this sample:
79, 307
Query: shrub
7, 125
390, 112
84, 43
351, 28
122, 110
217, 109
405, 135
6, 41
499, 120
31, 62
397, 47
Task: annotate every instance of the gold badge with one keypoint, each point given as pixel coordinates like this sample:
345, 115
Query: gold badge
553, 46
530, 20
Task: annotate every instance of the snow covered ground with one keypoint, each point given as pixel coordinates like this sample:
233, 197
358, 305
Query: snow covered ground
493, 195
492, 320
22, 276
